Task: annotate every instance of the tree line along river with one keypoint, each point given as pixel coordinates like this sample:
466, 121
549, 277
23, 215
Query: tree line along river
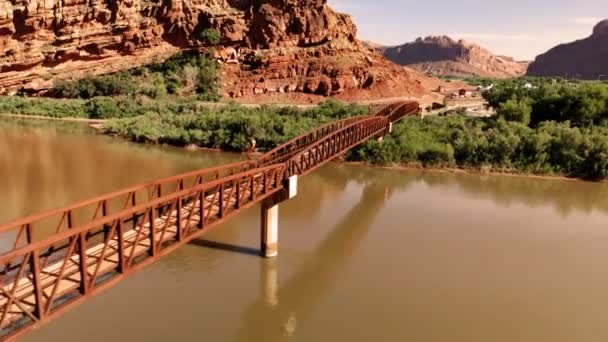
365, 253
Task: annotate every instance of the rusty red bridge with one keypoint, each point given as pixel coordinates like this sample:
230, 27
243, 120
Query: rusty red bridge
56, 259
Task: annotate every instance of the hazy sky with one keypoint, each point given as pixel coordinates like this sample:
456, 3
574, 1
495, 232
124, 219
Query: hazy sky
519, 28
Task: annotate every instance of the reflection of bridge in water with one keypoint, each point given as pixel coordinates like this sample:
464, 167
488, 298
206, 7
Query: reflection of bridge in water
55, 259
274, 315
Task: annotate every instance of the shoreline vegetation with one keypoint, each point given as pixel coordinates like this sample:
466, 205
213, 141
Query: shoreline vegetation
479, 170
543, 127
44, 117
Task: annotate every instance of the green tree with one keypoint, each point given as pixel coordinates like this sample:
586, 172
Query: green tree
210, 36
515, 110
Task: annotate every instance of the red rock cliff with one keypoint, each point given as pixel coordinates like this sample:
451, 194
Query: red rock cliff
586, 58
268, 47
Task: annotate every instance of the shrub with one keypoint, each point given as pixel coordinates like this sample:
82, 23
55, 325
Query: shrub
185, 74
108, 85
210, 36
437, 154
515, 110
42, 106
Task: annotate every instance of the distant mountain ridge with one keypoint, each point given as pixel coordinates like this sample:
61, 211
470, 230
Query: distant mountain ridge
584, 59
442, 55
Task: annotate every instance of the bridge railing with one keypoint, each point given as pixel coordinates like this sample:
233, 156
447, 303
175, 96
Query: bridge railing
388, 109
295, 145
342, 140
39, 226
339, 142
402, 110
38, 279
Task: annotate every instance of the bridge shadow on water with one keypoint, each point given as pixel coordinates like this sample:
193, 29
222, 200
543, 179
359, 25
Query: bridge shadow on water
226, 247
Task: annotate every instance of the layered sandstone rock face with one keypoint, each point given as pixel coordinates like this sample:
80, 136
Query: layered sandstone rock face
269, 48
442, 55
584, 59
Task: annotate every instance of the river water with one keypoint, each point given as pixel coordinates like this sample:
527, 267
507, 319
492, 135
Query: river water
366, 254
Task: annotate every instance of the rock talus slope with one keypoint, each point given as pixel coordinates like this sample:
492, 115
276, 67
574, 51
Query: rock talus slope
298, 49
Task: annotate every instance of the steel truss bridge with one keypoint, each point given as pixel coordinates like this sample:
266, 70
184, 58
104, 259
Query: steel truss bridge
54, 260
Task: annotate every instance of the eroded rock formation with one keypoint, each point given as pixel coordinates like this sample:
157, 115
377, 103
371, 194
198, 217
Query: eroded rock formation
584, 59
442, 55
268, 47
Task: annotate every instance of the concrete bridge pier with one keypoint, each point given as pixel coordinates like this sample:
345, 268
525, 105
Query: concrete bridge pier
270, 217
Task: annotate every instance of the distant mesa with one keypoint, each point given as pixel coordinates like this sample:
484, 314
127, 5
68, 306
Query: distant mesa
442, 55
583, 59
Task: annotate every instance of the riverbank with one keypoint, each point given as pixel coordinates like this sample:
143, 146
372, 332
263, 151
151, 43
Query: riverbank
472, 171
43, 117
351, 159
549, 148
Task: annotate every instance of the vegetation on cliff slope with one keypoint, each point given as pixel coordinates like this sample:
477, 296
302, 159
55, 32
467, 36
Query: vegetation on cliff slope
173, 86
189, 75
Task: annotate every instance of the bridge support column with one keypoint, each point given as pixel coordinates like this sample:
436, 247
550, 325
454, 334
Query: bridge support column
270, 218
390, 127
270, 229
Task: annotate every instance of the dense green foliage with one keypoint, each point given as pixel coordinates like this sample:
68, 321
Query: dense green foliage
97, 107
542, 126
44, 107
515, 110
210, 36
535, 101
232, 127
550, 148
184, 75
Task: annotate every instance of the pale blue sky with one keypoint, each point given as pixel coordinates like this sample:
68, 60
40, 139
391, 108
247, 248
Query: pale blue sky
519, 28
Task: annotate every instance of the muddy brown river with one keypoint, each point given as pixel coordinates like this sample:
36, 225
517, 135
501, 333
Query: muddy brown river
366, 254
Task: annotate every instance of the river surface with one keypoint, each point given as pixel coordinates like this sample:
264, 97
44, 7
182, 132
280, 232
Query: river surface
366, 254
